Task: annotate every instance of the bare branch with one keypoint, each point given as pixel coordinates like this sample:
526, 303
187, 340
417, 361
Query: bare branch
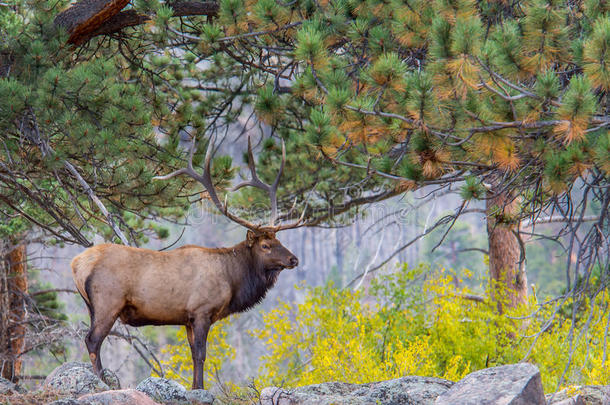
549, 220
96, 201
258, 33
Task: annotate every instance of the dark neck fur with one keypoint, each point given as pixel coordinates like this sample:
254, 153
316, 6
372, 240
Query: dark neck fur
254, 281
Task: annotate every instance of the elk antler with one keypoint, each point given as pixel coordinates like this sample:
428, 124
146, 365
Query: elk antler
256, 182
205, 179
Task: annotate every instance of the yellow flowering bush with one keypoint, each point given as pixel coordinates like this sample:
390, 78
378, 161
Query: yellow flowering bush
420, 322
179, 365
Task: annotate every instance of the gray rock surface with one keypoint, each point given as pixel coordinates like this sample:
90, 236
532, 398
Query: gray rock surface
74, 378
66, 401
199, 397
8, 388
514, 384
122, 397
168, 391
577, 400
589, 394
109, 377
404, 391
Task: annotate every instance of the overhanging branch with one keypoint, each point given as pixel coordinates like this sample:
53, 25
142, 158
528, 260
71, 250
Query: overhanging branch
90, 18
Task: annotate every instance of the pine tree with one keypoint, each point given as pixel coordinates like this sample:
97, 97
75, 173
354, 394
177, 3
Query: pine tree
414, 93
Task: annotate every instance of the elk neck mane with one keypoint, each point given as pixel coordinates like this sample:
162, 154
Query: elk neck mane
253, 279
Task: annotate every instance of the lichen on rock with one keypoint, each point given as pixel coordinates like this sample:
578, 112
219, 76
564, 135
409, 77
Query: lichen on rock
75, 378
168, 391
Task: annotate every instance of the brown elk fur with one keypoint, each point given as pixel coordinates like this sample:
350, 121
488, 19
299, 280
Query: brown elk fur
192, 286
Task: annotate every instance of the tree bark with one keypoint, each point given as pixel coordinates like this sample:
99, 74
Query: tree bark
86, 19
339, 253
13, 300
506, 254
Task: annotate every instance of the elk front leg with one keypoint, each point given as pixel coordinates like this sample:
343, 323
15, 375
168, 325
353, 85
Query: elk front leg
199, 333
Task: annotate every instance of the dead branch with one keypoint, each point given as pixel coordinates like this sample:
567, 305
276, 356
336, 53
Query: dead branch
90, 18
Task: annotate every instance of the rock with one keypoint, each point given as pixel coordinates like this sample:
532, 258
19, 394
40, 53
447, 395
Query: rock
122, 397
9, 388
199, 397
589, 395
162, 389
109, 377
405, 390
515, 384
65, 401
168, 391
577, 400
74, 378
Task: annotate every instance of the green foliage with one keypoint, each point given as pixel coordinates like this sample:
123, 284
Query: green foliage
579, 104
268, 105
310, 46
596, 52
602, 152
93, 113
45, 299
547, 85
495, 88
388, 70
411, 171
453, 252
466, 37
504, 49
472, 189
319, 127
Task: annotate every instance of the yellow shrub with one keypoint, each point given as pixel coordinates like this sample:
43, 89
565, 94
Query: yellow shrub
416, 322
179, 365
431, 328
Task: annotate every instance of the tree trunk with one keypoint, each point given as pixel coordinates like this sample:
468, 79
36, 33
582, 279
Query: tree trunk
13, 293
339, 253
302, 273
506, 259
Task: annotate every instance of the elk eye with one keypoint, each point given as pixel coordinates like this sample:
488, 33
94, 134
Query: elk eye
265, 246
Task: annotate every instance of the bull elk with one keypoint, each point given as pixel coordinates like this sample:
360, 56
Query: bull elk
192, 286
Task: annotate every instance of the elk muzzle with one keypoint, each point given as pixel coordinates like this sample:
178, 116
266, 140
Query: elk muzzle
292, 262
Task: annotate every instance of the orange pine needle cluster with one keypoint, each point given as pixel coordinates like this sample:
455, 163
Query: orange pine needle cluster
570, 130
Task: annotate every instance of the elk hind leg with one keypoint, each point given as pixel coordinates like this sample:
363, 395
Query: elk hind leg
98, 332
104, 313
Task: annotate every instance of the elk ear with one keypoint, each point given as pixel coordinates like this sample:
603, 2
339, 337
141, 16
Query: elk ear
250, 238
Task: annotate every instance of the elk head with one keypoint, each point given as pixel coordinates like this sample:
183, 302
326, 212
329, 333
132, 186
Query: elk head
269, 252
